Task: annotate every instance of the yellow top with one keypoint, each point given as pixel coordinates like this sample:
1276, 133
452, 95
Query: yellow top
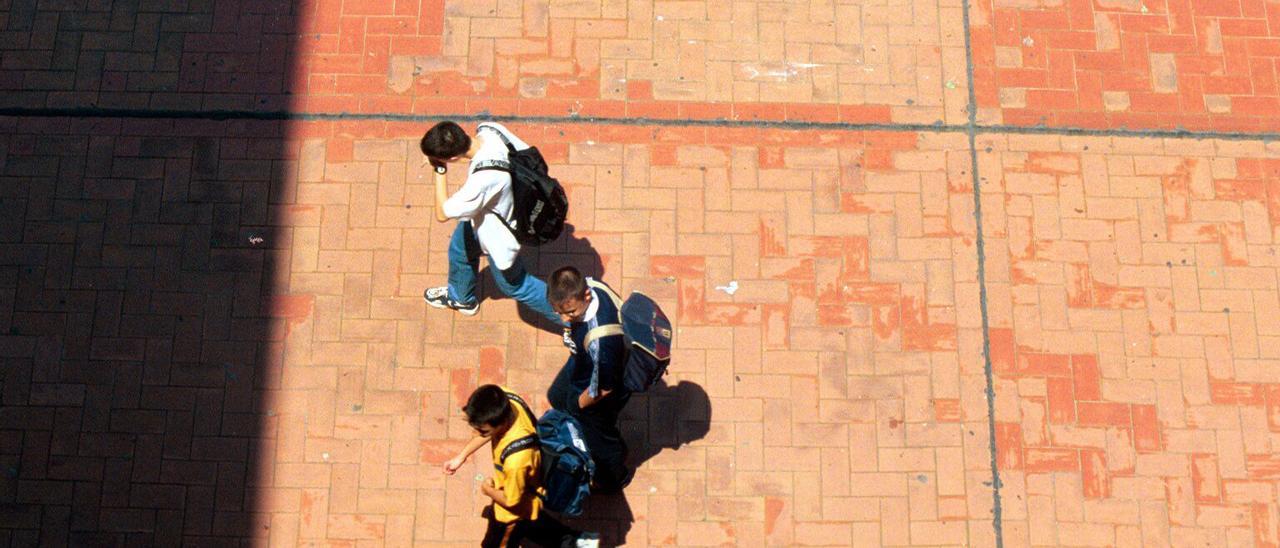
517, 477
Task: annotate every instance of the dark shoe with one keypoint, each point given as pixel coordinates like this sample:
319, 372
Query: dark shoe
439, 298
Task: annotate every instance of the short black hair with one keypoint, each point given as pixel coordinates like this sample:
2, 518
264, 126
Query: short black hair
445, 140
488, 406
564, 284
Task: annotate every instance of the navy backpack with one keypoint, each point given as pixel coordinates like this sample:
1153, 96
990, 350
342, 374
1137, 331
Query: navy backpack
646, 332
566, 468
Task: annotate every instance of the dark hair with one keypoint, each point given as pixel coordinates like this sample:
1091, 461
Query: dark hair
445, 140
488, 406
564, 284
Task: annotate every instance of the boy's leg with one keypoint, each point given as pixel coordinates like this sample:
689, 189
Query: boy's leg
525, 289
609, 451
501, 535
608, 447
464, 263
549, 532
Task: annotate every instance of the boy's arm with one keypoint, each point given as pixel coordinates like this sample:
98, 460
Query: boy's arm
442, 194
511, 492
585, 399
476, 195
452, 465
497, 495
608, 359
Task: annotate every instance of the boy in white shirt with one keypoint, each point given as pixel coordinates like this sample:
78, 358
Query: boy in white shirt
483, 209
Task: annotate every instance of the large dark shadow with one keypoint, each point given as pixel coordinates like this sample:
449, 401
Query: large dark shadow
666, 417
135, 255
570, 249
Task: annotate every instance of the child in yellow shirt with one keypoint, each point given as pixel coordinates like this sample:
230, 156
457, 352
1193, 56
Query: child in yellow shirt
500, 417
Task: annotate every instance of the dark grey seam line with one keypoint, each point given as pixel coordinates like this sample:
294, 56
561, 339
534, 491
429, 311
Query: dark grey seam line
277, 115
997, 517
1067, 131
229, 115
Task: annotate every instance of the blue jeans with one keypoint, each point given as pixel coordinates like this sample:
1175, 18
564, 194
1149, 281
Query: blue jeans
515, 282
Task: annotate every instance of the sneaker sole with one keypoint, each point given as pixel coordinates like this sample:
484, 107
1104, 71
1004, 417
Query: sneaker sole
464, 311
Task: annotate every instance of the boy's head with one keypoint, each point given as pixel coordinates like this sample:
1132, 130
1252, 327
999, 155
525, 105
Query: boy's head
445, 142
568, 294
489, 411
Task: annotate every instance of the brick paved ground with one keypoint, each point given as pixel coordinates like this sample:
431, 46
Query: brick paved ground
213, 330
1134, 338
1197, 64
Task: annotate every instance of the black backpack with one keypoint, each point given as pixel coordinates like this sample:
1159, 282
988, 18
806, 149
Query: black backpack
540, 205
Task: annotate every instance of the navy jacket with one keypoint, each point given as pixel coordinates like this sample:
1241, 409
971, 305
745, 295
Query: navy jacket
598, 366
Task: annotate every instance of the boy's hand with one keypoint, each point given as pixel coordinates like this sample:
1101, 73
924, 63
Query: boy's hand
441, 194
491, 490
452, 465
585, 400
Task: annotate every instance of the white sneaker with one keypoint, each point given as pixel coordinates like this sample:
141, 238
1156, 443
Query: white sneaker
439, 298
588, 539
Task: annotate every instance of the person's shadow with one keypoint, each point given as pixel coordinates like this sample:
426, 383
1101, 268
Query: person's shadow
664, 417
567, 250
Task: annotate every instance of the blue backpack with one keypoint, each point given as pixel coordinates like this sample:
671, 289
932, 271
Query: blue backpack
646, 332
567, 467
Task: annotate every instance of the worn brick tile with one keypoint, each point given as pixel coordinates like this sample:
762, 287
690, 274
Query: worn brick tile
1113, 409
1098, 66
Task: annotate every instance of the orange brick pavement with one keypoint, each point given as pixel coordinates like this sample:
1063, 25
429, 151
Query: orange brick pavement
212, 331
837, 390
1197, 64
1134, 329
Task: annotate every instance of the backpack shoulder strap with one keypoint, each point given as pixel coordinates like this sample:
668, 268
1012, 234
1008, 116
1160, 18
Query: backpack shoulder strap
617, 301
492, 165
528, 411
510, 148
520, 444
607, 329
497, 165
601, 331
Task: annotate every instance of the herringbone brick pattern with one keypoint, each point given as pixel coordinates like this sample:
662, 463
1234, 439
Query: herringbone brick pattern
833, 373
876, 61
134, 257
699, 59
1139, 64
140, 54
1134, 328
212, 333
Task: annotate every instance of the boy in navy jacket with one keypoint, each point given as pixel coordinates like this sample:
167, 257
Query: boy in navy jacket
589, 387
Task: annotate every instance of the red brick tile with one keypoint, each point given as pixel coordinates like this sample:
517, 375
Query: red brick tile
1118, 52
1146, 316
1075, 357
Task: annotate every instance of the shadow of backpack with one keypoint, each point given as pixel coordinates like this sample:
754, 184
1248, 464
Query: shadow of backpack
566, 466
646, 332
539, 205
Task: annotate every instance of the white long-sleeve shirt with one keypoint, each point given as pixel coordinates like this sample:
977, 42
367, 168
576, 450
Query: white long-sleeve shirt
487, 193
